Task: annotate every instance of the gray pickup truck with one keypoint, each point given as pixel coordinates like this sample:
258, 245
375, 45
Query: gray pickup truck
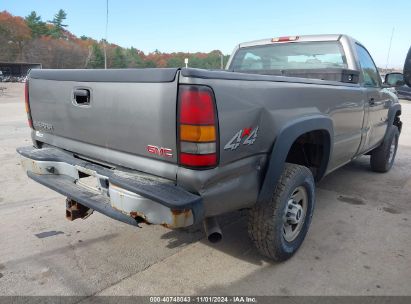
177, 147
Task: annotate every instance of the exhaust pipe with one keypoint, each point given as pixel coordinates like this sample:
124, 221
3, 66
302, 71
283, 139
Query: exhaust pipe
213, 230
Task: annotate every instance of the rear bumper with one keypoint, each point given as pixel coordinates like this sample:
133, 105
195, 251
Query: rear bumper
127, 196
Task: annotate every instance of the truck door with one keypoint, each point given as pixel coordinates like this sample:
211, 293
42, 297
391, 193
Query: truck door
377, 104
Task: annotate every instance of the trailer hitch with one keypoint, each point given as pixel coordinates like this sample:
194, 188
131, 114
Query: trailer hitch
75, 210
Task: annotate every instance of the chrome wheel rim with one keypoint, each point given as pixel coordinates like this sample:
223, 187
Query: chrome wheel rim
294, 214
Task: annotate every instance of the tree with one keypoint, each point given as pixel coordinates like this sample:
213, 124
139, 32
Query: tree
119, 60
30, 39
38, 28
14, 34
57, 30
134, 58
196, 62
175, 62
97, 58
56, 53
149, 64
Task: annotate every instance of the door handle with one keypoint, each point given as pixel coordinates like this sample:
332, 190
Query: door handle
82, 97
371, 101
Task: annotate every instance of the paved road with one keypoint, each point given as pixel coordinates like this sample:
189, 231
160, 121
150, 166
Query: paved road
359, 242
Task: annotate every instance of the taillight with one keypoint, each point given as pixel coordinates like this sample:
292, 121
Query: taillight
197, 127
27, 103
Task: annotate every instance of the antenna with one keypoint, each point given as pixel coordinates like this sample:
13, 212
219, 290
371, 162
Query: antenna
389, 49
105, 39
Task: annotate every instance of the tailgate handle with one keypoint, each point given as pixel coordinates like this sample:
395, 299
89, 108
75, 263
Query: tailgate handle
82, 97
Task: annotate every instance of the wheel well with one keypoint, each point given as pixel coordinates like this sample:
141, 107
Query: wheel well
312, 150
397, 121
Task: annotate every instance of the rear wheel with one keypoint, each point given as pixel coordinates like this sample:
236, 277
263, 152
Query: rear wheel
278, 227
382, 158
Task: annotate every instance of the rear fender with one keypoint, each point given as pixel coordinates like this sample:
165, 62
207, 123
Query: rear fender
286, 137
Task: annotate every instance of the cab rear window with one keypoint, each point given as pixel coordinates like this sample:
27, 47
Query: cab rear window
284, 56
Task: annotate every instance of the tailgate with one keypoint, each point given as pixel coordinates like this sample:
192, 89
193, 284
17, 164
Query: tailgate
126, 110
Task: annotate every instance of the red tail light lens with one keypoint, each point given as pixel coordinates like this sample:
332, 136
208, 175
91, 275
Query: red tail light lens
197, 127
27, 103
197, 107
195, 160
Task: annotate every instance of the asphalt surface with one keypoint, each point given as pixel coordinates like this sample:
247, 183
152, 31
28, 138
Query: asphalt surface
359, 242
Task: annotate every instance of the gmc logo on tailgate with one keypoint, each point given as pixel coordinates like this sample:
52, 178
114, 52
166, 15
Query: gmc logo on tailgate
160, 151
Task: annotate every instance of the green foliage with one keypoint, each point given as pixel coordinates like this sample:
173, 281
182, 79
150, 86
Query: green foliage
211, 61
175, 62
97, 59
149, 64
133, 58
195, 62
119, 60
37, 26
57, 30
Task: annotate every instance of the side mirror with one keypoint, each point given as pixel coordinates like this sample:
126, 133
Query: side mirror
407, 69
394, 80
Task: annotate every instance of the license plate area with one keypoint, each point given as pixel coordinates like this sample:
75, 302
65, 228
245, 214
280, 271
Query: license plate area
91, 180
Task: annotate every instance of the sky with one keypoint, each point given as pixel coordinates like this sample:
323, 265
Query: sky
203, 26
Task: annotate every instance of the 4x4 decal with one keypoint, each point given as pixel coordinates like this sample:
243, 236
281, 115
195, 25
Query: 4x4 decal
249, 134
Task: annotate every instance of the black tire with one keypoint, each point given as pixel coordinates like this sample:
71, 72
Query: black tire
266, 225
381, 158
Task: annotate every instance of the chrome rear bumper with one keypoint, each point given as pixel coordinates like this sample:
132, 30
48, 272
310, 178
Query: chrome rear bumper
127, 196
